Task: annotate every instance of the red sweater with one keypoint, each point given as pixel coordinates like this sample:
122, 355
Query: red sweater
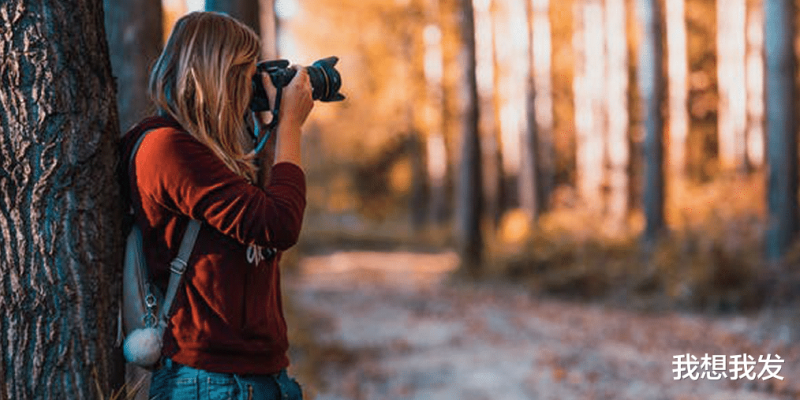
227, 316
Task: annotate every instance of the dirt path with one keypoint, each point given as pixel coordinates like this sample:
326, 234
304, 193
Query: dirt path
406, 334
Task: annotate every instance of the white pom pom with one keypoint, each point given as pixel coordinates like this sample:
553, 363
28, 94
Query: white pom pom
143, 347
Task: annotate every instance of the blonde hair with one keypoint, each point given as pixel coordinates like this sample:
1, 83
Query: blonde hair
201, 79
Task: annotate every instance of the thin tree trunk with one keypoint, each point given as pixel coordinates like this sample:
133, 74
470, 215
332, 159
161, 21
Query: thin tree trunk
135, 38
678, 87
651, 84
60, 239
731, 45
635, 116
563, 138
507, 141
493, 175
755, 84
590, 111
617, 177
469, 199
419, 186
442, 150
781, 106
530, 194
541, 53
508, 20
452, 93
418, 123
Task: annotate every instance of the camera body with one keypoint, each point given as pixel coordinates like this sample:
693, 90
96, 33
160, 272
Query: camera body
325, 81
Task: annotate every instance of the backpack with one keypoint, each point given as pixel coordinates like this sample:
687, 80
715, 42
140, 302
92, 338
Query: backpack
144, 311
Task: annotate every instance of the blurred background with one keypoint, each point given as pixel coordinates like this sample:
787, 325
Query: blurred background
612, 152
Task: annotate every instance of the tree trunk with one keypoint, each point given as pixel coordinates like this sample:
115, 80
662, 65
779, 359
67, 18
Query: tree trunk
542, 113
590, 110
135, 38
493, 175
451, 106
755, 84
246, 11
508, 147
651, 84
618, 160
563, 73
60, 239
469, 186
731, 49
678, 87
781, 107
635, 116
529, 184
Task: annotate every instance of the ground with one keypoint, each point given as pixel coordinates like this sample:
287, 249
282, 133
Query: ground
393, 325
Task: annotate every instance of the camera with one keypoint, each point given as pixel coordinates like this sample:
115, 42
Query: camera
325, 81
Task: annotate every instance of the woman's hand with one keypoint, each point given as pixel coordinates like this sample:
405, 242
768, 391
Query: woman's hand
296, 101
296, 104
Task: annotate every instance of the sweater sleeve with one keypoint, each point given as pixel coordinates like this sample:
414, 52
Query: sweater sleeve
178, 172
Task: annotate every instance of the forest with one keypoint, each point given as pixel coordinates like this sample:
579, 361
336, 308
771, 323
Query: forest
592, 146
518, 199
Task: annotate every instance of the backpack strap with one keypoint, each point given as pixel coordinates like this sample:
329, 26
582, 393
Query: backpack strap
179, 264
178, 267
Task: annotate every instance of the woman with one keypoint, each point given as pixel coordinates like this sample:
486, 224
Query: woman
226, 336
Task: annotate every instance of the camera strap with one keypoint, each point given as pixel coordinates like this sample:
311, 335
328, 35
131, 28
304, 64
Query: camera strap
261, 141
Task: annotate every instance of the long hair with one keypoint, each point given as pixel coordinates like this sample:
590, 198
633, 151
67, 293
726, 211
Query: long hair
201, 79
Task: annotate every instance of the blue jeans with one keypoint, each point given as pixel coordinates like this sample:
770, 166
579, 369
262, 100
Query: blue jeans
178, 382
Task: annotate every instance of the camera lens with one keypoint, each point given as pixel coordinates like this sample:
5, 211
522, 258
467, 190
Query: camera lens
325, 80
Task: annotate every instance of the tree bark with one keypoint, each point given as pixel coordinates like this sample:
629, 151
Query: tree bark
781, 107
135, 37
60, 239
651, 83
